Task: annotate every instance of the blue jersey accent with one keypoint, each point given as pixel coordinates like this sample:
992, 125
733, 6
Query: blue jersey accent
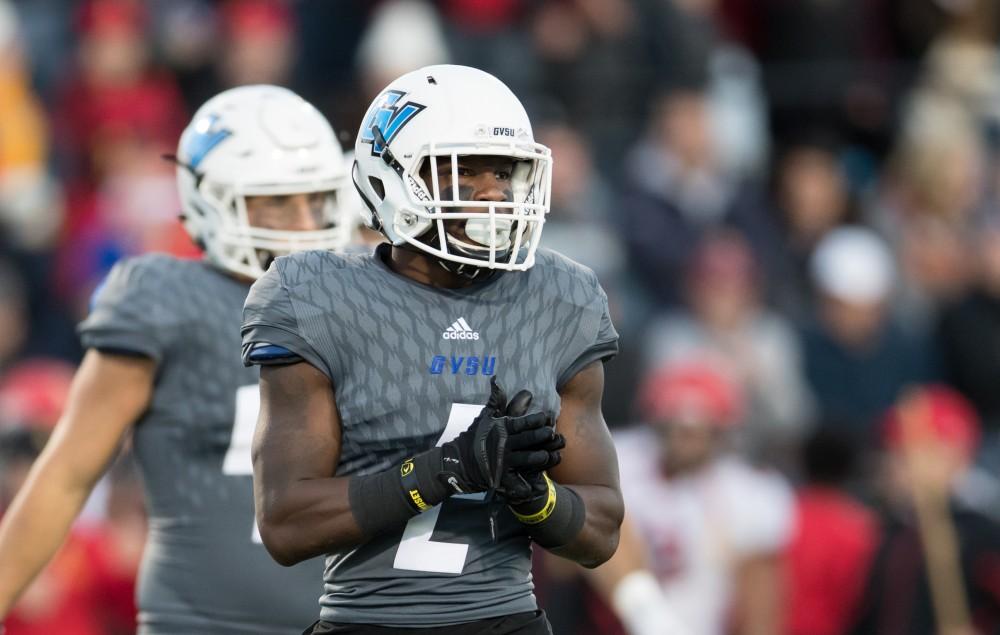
272, 354
389, 118
205, 137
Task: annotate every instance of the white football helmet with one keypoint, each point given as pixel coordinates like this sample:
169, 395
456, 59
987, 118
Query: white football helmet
439, 113
257, 141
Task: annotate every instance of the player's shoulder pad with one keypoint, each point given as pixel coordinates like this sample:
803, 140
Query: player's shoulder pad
153, 264
565, 276
303, 266
138, 276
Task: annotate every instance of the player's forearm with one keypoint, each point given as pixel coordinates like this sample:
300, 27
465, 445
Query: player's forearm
36, 525
306, 518
309, 517
597, 540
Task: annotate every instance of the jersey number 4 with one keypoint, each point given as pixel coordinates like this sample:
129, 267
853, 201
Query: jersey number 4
417, 552
238, 461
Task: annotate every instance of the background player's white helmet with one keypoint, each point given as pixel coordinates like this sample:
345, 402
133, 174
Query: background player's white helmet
257, 141
436, 114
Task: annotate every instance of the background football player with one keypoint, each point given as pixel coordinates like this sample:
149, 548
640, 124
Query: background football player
714, 527
259, 172
374, 446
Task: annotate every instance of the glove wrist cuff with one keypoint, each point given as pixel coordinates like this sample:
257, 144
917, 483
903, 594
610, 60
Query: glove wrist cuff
559, 521
419, 478
537, 509
383, 501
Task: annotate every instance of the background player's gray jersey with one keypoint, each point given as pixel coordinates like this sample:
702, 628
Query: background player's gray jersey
410, 366
202, 571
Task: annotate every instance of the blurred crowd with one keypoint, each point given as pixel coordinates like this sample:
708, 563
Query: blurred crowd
794, 206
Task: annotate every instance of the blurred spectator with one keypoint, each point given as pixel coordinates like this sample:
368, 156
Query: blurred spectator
833, 543
49, 38
29, 213
725, 322
715, 527
812, 197
13, 315
969, 337
857, 357
33, 393
578, 224
258, 43
591, 57
933, 191
489, 34
60, 600
327, 37
678, 192
821, 65
115, 120
187, 32
938, 564
403, 35
739, 111
961, 65
116, 98
88, 587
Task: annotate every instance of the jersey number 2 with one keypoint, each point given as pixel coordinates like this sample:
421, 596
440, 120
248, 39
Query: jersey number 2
417, 552
238, 461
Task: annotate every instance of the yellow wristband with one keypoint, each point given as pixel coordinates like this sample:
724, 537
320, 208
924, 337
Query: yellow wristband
546, 511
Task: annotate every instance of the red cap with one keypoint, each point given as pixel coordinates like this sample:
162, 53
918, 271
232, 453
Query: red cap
34, 392
257, 16
691, 391
934, 414
99, 16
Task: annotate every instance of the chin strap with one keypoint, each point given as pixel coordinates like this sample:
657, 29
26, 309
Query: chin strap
467, 271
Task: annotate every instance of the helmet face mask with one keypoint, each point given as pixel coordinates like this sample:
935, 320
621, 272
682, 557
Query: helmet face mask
258, 141
399, 176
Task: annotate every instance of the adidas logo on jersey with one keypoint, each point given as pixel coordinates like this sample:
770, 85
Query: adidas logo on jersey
460, 330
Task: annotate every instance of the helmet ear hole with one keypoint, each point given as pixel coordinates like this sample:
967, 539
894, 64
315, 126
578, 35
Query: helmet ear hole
377, 186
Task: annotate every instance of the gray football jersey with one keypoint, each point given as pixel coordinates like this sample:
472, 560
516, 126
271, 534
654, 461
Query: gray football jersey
204, 569
410, 367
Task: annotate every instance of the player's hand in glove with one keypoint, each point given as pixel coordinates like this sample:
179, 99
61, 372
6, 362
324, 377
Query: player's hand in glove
523, 483
477, 459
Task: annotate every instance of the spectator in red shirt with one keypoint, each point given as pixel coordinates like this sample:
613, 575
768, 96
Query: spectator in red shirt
832, 546
113, 121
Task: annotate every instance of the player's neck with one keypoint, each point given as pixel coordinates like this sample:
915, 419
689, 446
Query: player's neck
424, 269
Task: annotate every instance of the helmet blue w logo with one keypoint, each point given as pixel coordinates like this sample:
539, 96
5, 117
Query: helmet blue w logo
390, 117
203, 137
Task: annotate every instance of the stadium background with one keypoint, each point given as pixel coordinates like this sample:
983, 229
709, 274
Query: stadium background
703, 150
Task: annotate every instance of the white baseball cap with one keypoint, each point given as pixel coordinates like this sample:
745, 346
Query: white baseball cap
853, 264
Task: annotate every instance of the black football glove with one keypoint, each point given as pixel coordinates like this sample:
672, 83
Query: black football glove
476, 460
523, 483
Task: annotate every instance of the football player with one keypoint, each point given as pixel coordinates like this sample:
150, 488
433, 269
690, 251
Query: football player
713, 525
374, 446
259, 172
